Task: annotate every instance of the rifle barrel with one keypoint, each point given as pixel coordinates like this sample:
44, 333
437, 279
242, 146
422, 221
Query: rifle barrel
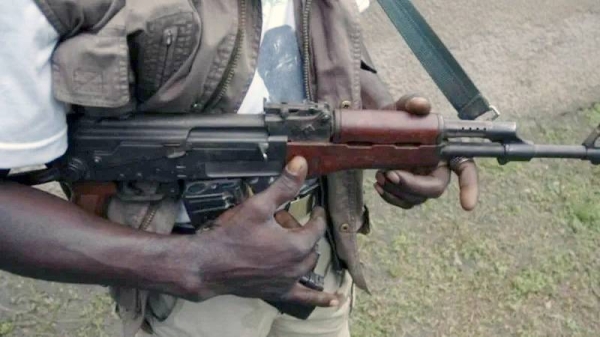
519, 151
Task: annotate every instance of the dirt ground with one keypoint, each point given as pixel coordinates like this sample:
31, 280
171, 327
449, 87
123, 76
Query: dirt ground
525, 263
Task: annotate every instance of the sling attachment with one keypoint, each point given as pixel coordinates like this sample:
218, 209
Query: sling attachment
437, 60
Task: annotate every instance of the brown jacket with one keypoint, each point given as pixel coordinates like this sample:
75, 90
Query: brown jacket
200, 55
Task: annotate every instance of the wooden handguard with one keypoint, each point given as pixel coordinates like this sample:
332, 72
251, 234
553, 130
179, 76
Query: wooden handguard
386, 127
369, 139
93, 196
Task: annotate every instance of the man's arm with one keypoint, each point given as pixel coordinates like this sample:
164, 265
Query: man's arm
248, 253
45, 237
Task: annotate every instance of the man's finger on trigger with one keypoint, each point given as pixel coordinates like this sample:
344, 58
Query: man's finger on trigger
287, 186
300, 294
468, 182
431, 186
286, 220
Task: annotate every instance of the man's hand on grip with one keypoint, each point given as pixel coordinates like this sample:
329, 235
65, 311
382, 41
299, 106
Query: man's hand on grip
254, 253
409, 189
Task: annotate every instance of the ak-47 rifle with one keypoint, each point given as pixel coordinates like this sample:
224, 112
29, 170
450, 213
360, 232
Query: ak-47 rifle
174, 149
206, 159
170, 148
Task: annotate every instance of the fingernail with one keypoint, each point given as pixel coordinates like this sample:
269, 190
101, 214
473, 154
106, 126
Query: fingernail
468, 202
378, 189
393, 177
334, 303
296, 165
417, 100
418, 104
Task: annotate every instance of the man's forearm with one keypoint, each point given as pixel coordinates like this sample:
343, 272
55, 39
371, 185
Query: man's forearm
44, 237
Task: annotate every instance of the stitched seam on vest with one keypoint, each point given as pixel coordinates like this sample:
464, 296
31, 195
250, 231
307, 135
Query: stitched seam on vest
357, 51
220, 63
253, 56
355, 190
52, 17
217, 69
356, 38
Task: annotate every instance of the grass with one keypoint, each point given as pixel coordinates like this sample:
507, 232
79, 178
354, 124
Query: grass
525, 263
33, 308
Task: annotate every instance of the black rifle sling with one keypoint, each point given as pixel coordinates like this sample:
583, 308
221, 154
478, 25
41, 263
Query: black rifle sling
437, 60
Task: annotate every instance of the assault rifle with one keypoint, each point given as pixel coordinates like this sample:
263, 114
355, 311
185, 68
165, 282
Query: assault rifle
206, 159
173, 148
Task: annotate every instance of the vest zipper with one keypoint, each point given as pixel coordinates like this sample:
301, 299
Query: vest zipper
168, 38
306, 49
230, 70
150, 214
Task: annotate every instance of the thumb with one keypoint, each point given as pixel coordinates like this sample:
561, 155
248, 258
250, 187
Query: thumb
413, 104
287, 186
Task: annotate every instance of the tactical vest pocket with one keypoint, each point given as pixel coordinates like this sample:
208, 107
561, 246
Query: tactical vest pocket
162, 50
92, 70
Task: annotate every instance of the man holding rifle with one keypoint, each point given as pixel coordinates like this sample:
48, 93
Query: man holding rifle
105, 58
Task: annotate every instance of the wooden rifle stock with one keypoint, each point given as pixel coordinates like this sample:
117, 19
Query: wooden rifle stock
93, 196
374, 139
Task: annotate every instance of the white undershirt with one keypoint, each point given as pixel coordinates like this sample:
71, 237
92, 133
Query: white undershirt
33, 128
278, 77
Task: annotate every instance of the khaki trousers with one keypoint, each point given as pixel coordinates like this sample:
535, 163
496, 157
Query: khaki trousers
231, 316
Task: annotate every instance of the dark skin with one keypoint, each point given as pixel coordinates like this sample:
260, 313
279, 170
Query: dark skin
407, 189
249, 253
268, 258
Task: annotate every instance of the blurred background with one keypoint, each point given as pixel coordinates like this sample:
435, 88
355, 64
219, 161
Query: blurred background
525, 263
